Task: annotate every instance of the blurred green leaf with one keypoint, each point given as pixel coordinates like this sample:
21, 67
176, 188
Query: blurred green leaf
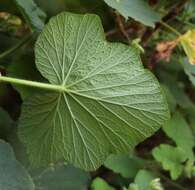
192, 123
132, 186
170, 98
13, 174
32, 13
126, 165
62, 177
171, 159
143, 180
139, 10
53, 7
100, 184
178, 130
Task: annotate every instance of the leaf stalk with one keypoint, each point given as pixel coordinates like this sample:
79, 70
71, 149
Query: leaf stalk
35, 84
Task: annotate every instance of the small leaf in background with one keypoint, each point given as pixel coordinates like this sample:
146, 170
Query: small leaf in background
100, 184
189, 69
171, 159
105, 101
62, 177
138, 10
170, 98
132, 186
32, 13
188, 42
180, 96
178, 130
126, 165
13, 175
143, 180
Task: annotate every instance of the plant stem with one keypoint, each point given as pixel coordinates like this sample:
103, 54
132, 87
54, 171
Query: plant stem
154, 167
170, 28
121, 26
46, 86
171, 182
16, 46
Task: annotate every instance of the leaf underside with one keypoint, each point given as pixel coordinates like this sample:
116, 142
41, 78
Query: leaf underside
110, 103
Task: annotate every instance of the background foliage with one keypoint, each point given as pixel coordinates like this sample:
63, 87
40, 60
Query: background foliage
163, 32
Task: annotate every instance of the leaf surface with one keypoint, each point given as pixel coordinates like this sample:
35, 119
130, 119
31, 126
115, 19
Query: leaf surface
106, 103
139, 10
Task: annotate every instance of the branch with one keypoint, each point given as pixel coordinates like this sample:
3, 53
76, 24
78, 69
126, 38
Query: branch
16, 46
171, 15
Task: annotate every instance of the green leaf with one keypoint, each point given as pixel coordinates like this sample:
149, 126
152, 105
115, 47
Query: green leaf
125, 165
100, 184
171, 159
139, 10
62, 177
170, 98
32, 14
13, 175
176, 128
132, 186
192, 123
143, 179
53, 7
105, 101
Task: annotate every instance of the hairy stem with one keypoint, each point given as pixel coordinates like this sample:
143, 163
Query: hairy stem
170, 28
45, 86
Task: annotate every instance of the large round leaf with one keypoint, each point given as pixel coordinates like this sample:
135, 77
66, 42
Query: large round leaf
105, 101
